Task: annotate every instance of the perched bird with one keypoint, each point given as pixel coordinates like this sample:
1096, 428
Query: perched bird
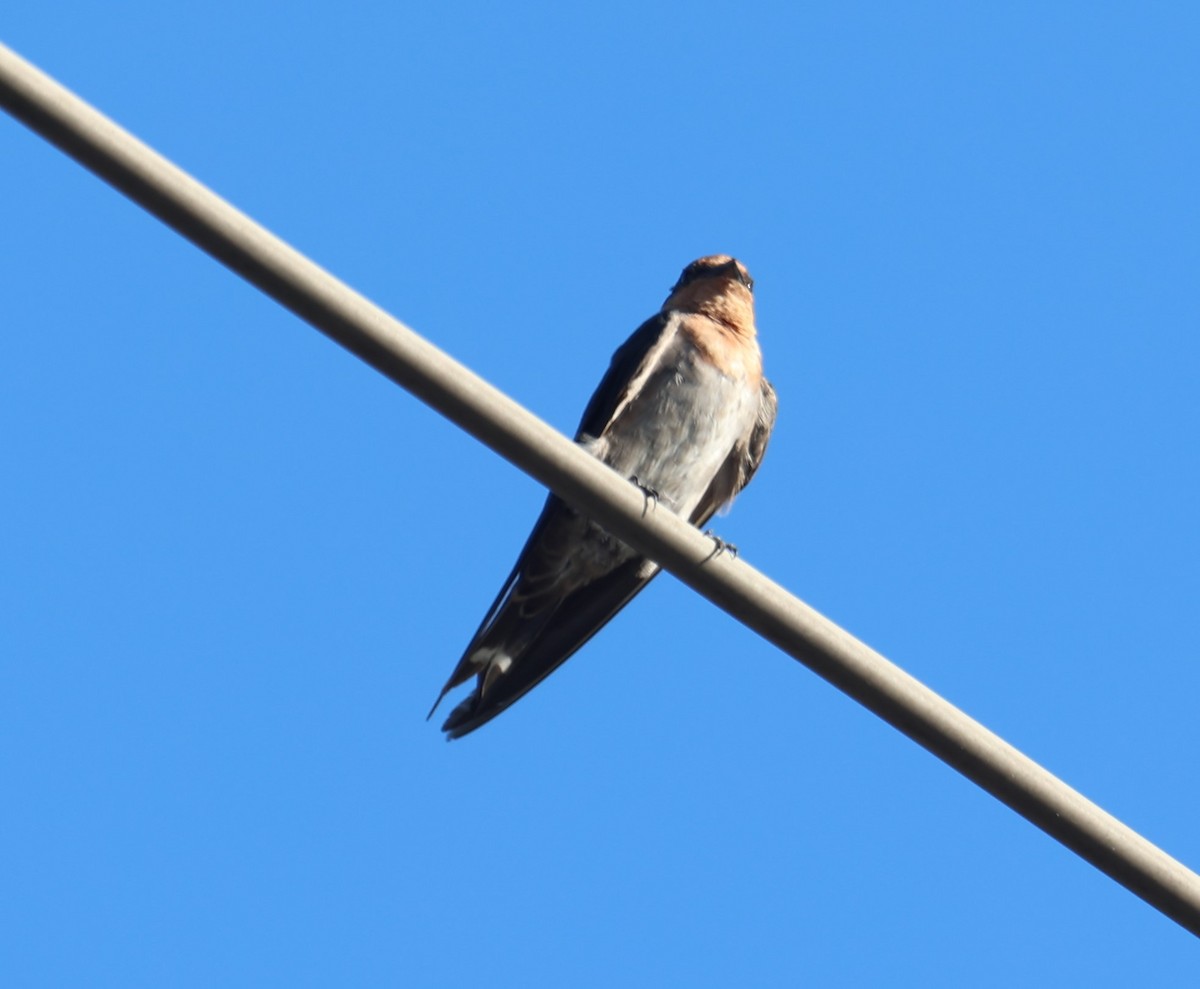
685, 412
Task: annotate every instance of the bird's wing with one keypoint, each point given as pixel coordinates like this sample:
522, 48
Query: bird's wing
540, 622
743, 459
536, 557
632, 365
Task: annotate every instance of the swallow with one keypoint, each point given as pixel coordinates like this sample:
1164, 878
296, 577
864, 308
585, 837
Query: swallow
685, 413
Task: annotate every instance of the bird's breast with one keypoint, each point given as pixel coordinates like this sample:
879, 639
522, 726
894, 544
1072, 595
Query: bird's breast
675, 434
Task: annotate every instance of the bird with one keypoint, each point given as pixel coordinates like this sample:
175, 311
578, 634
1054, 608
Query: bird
685, 413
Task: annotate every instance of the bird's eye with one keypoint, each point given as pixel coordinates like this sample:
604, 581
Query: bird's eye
688, 276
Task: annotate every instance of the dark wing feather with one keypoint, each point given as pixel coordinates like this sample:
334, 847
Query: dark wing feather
743, 460
463, 672
622, 370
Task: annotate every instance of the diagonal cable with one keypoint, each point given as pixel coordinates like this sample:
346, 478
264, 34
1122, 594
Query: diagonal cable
516, 434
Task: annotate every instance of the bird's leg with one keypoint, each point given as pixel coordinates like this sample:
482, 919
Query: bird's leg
648, 493
720, 545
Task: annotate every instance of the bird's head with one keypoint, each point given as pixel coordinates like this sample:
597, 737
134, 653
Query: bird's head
717, 286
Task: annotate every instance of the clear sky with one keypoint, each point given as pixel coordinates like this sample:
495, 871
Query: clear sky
236, 564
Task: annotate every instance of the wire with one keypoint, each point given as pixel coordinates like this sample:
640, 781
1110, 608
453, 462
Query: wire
471, 403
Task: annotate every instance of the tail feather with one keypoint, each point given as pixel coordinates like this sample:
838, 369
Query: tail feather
568, 627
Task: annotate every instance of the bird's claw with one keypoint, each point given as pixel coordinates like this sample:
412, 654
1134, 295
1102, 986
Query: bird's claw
720, 545
648, 493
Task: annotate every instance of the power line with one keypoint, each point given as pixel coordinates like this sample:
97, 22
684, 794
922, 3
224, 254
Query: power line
471, 403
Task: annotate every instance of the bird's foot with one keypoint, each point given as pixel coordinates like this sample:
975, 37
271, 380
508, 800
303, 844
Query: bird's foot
720, 545
648, 493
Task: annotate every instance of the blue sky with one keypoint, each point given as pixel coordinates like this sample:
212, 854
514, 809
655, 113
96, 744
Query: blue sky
236, 564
